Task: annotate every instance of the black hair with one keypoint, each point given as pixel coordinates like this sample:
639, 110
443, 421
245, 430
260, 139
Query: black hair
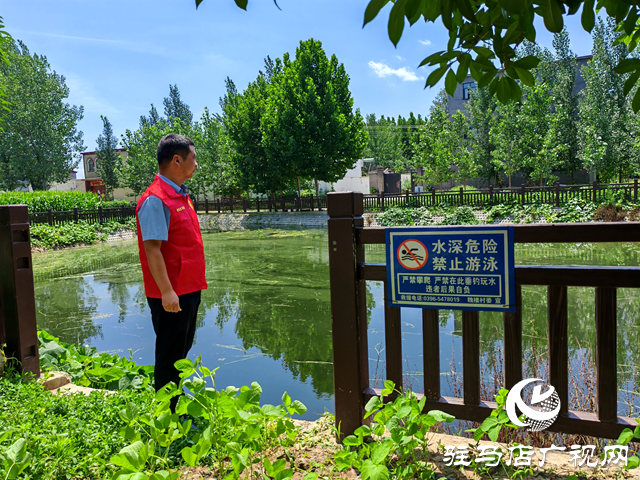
173, 144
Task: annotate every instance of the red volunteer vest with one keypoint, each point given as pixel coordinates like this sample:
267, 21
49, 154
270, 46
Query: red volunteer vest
183, 252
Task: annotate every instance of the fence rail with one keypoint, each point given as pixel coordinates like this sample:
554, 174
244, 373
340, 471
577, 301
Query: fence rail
349, 272
555, 195
273, 204
96, 215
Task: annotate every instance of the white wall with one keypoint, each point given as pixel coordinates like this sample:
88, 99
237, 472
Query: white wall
72, 185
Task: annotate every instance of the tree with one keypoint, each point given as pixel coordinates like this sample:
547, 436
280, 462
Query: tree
505, 136
174, 108
489, 31
606, 144
383, 142
40, 139
107, 157
480, 112
309, 121
436, 148
152, 119
242, 116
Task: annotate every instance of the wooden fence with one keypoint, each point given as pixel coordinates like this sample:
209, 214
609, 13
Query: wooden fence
97, 215
273, 204
349, 272
556, 196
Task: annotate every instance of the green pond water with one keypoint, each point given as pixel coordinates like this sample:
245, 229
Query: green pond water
266, 316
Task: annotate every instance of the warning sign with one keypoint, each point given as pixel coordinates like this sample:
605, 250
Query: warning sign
412, 254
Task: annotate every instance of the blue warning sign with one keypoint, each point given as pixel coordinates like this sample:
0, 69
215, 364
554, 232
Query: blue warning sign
459, 268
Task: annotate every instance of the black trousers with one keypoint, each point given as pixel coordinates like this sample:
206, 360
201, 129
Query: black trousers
174, 337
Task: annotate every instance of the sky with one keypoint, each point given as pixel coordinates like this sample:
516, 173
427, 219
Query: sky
120, 56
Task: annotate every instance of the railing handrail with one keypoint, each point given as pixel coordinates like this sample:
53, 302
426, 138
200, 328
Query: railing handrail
349, 272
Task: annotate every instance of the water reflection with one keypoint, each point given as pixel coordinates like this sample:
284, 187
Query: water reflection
266, 315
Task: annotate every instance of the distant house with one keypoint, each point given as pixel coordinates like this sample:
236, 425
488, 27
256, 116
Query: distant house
463, 91
93, 181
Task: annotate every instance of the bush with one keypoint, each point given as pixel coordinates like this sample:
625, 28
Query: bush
70, 233
609, 213
461, 216
57, 201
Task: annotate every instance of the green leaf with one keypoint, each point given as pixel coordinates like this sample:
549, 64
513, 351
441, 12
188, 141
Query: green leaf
374, 472
189, 456
441, 416
363, 431
352, 441
552, 13
184, 365
627, 65
298, 407
486, 79
528, 62
493, 432
374, 404
625, 437
450, 83
503, 90
631, 82
525, 77
435, 76
130, 456
380, 451
632, 462
373, 9
484, 52
635, 104
310, 476
396, 21
463, 68
242, 4
488, 423
286, 399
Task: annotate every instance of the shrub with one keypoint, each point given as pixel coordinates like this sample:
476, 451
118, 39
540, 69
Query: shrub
609, 213
57, 201
461, 216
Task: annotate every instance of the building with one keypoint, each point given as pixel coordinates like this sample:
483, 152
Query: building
94, 183
73, 184
464, 90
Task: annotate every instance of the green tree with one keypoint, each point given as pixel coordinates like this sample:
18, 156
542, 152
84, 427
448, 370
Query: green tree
242, 115
153, 119
505, 136
309, 121
462, 159
606, 144
383, 143
175, 108
480, 113
107, 157
436, 148
40, 140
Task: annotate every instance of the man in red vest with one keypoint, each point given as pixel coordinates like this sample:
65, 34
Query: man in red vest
172, 256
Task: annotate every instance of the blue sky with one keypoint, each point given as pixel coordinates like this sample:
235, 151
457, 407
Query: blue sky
120, 56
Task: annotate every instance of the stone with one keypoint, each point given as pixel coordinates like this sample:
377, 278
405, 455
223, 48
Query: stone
54, 380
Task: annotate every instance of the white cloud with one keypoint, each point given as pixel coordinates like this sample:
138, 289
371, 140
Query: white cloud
140, 47
399, 57
82, 92
382, 70
425, 42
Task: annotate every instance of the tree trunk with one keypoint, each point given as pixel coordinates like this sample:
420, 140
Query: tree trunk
620, 174
509, 179
298, 179
441, 186
317, 188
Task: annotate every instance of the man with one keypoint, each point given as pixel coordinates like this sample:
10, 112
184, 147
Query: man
172, 256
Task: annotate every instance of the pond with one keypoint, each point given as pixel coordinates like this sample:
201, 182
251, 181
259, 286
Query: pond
266, 316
